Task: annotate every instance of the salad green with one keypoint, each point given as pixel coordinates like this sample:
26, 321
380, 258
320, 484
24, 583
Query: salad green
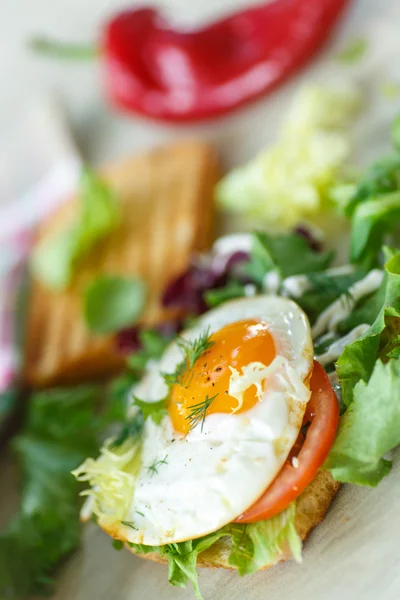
368, 369
60, 431
291, 181
286, 255
111, 303
55, 258
63, 427
359, 358
369, 429
252, 547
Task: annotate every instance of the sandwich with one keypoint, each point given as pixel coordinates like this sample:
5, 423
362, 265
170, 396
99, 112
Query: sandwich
238, 437
218, 441
281, 384
164, 200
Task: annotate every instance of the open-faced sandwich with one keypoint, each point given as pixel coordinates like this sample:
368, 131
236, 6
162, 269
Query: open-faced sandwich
240, 431
256, 377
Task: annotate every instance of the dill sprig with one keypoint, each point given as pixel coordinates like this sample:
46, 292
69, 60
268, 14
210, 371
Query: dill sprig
129, 524
153, 468
198, 412
195, 348
192, 350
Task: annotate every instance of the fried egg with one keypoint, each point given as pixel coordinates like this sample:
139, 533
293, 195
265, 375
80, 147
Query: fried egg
233, 417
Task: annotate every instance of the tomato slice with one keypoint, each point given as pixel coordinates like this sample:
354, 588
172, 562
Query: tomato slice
323, 414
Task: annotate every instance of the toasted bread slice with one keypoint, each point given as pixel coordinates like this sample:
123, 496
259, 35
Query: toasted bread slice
166, 200
310, 510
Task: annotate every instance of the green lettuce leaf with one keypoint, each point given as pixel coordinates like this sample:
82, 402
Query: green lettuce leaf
392, 349
60, 431
153, 410
369, 429
153, 343
54, 259
371, 222
382, 178
233, 289
257, 545
253, 547
374, 206
182, 560
359, 358
287, 254
111, 303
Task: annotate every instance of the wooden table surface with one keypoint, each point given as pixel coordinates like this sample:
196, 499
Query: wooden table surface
355, 553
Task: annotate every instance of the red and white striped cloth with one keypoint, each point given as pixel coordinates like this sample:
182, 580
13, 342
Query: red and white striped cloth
40, 167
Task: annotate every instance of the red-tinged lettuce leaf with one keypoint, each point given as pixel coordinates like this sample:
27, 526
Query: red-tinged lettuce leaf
188, 292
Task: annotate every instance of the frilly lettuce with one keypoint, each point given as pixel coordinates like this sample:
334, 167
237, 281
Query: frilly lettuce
112, 475
257, 545
291, 180
112, 479
359, 358
253, 547
369, 429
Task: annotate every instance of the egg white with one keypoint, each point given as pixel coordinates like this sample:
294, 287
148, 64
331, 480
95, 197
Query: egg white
205, 480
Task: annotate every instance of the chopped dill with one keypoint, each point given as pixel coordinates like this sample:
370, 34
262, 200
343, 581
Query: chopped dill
153, 468
129, 524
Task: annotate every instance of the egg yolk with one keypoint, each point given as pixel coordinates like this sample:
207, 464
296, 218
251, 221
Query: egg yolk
235, 345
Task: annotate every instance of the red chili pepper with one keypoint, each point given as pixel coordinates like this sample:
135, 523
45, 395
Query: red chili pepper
162, 72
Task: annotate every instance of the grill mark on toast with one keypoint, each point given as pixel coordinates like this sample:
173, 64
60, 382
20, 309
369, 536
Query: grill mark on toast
161, 192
